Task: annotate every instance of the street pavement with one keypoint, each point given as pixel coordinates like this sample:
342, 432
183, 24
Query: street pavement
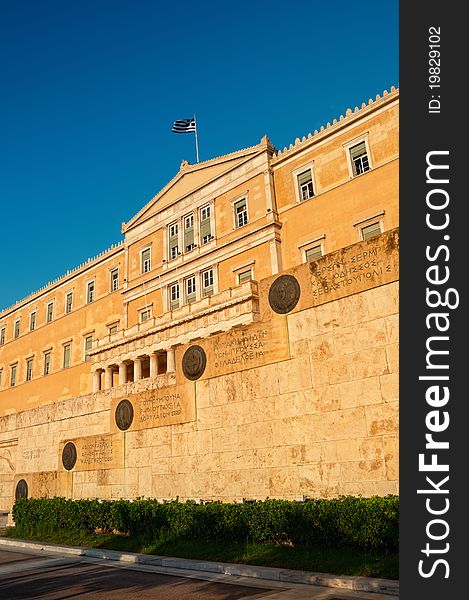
38, 574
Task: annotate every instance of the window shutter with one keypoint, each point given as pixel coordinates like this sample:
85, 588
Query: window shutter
188, 236
313, 253
371, 230
305, 185
304, 178
173, 296
205, 227
207, 283
240, 205
146, 261
190, 295
358, 150
173, 241
245, 276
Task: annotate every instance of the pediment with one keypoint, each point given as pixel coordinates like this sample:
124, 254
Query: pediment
189, 179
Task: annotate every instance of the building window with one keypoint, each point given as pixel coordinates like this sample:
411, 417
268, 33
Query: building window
67, 351
90, 291
189, 233
370, 231
190, 289
146, 260
88, 345
244, 276
241, 212
16, 331
2, 336
313, 253
46, 363
13, 375
305, 185
173, 296
32, 321
114, 280
68, 303
359, 158
205, 225
173, 241
207, 282
113, 329
50, 312
29, 369
145, 315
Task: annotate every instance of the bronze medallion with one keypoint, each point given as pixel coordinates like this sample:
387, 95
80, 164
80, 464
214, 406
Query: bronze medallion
194, 362
21, 489
124, 414
284, 294
69, 456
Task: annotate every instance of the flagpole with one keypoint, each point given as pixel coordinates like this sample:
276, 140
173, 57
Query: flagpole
196, 141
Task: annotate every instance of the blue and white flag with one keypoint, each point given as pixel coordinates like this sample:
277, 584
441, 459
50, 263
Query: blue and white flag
184, 126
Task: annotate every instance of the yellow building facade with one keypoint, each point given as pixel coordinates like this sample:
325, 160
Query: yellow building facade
197, 269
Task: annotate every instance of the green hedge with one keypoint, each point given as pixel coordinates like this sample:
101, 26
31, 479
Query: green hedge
365, 523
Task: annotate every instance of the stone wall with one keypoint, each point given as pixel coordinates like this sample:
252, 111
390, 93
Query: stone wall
298, 404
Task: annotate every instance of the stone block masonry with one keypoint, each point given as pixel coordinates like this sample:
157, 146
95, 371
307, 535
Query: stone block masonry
300, 403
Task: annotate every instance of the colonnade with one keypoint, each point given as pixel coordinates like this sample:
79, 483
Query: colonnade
134, 369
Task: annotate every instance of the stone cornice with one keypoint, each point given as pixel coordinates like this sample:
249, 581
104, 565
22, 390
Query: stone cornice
329, 129
68, 276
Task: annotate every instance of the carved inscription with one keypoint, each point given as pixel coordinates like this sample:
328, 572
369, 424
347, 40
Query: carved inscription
355, 268
241, 348
164, 406
246, 347
33, 454
95, 452
350, 270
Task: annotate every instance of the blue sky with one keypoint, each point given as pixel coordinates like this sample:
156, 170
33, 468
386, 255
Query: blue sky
90, 90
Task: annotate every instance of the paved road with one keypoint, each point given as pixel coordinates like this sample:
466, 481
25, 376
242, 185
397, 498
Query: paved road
25, 575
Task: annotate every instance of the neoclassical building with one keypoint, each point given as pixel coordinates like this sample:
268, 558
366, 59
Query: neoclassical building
176, 354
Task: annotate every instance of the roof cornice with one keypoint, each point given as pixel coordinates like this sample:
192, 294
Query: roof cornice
336, 125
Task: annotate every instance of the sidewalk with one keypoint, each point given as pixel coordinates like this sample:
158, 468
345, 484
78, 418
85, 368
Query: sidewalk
358, 584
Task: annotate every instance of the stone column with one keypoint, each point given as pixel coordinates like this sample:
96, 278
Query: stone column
96, 381
137, 369
170, 360
107, 378
122, 373
153, 364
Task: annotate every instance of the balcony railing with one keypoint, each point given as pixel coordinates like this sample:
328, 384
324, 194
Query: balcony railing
185, 312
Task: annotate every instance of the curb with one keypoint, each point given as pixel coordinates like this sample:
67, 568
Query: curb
356, 584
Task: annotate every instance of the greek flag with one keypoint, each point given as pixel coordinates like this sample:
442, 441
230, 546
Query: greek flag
184, 126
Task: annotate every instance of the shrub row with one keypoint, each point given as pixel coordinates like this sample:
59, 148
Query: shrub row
365, 523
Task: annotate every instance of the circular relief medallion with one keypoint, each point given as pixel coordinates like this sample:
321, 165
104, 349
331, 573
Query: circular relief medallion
21, 489
69, 456
194, 362
124, 414
284, 294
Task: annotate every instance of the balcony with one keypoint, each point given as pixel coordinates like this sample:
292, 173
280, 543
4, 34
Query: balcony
218, 312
